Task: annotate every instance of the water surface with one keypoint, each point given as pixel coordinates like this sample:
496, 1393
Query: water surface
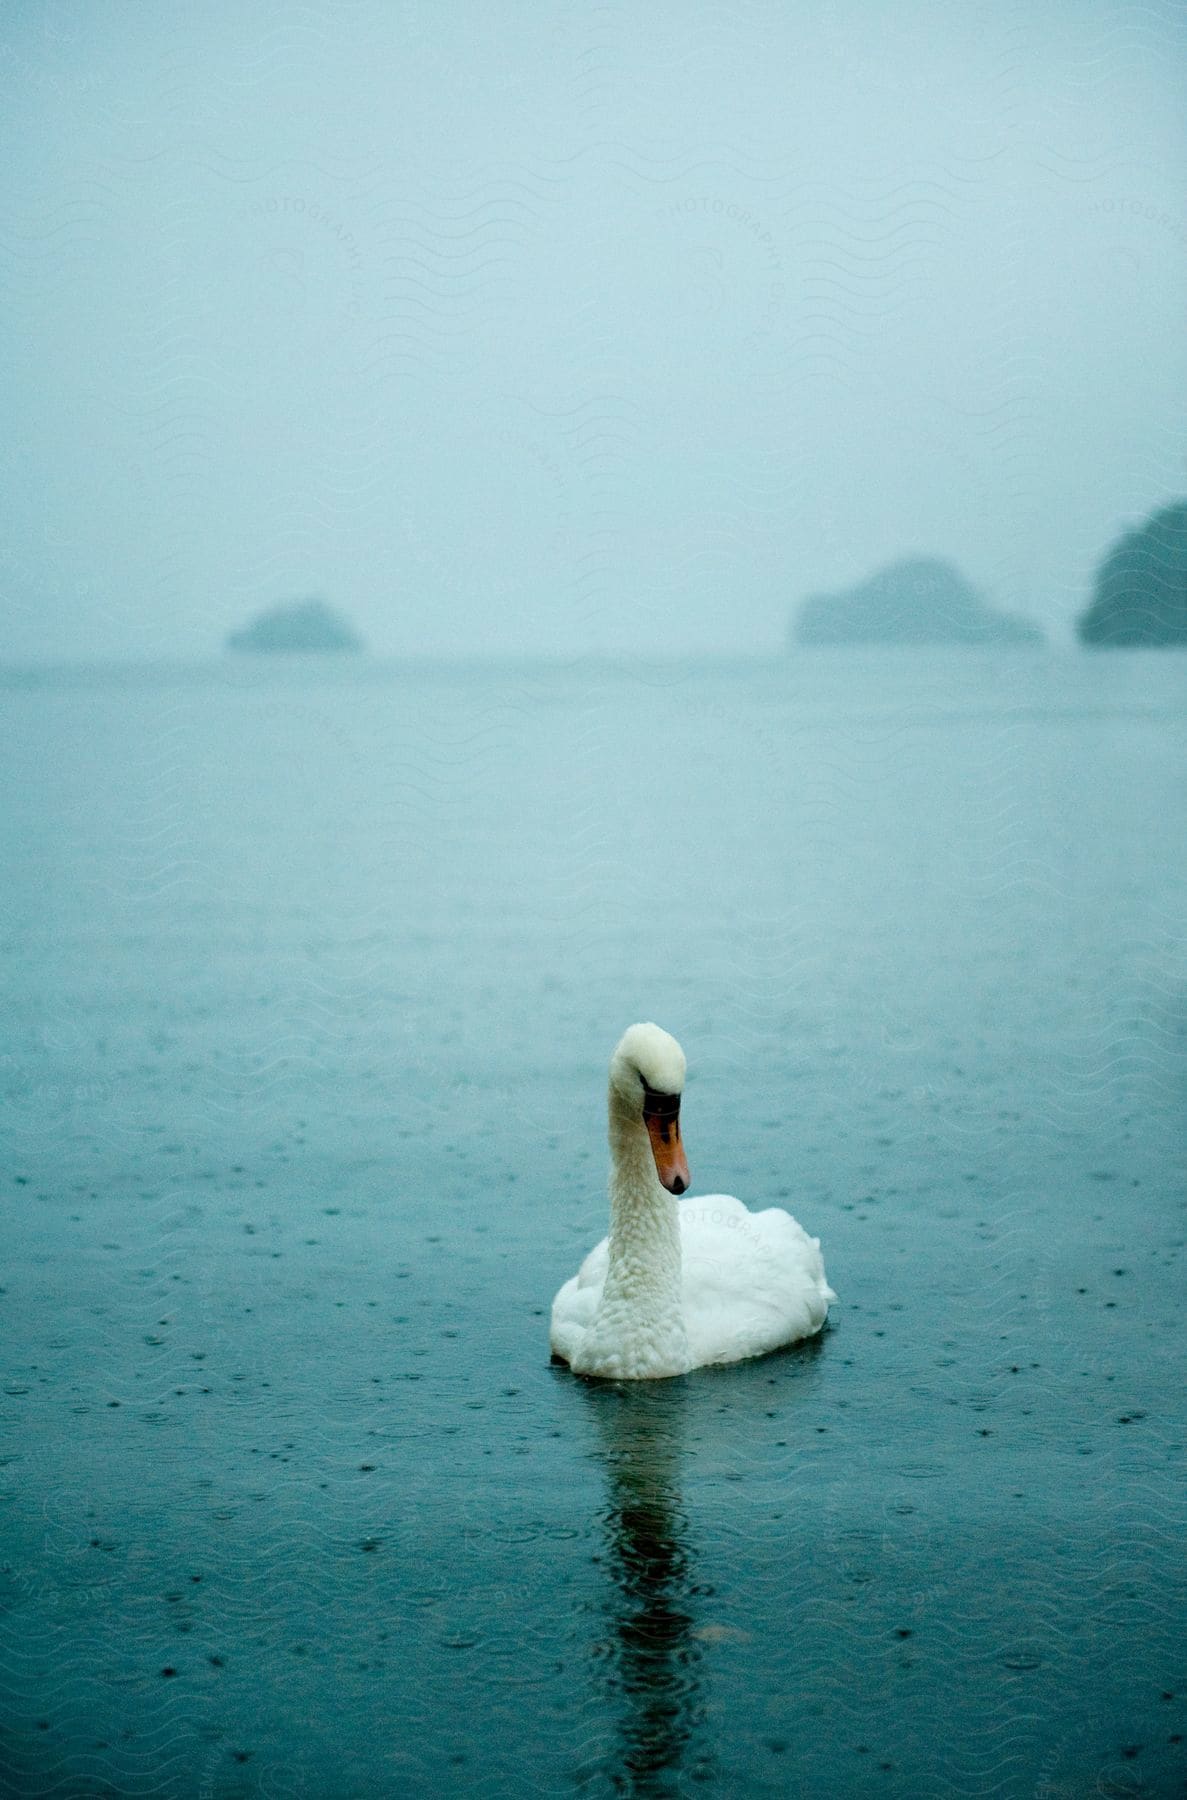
309, 980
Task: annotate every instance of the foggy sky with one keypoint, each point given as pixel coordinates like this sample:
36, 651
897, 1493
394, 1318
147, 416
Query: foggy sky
571, 329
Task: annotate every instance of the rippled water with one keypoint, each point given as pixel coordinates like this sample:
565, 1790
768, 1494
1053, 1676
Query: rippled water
309, 983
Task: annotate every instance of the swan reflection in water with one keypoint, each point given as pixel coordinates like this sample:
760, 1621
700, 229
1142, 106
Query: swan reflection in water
650, 1437
654, 1649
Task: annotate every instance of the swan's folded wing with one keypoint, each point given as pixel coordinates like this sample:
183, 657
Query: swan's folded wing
752, 1281
593, 1270
577, 1302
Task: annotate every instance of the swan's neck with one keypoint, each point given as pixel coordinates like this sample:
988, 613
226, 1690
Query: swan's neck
639, 1328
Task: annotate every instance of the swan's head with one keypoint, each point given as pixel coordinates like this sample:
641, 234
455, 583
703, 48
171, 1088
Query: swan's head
646, 1082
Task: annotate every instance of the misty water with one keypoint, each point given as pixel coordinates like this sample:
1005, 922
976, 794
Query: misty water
310, 978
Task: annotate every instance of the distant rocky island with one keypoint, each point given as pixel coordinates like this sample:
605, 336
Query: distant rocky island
298, 625
1141, 585
919, 601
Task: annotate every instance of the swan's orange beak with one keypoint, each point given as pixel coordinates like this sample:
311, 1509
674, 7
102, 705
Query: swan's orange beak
663, 1128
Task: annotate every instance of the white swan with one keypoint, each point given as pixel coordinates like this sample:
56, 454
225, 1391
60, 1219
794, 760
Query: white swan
679, 1285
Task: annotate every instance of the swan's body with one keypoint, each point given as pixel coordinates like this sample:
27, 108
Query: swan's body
678, 1284
749, 1283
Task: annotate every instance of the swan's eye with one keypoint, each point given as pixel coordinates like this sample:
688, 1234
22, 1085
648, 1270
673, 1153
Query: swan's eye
661, 1115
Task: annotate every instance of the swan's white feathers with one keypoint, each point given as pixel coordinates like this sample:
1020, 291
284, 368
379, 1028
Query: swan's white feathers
678, 1285
751, 1283
654, 1054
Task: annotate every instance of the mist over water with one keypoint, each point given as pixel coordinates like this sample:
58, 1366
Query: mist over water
547, 333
